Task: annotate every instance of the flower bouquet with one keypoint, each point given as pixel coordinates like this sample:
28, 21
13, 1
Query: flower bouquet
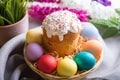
98, 12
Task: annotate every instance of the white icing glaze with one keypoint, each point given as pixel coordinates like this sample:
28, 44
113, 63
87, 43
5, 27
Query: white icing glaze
60, 22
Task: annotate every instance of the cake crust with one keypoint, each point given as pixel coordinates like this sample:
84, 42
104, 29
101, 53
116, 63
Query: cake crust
63, 48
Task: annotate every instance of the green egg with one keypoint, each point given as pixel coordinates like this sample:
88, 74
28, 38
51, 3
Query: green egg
85, 60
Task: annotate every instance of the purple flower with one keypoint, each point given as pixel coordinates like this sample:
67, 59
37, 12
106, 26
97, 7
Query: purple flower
81, 14
39, 13
104, 2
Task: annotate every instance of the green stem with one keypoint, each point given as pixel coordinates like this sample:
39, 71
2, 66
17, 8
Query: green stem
6, 20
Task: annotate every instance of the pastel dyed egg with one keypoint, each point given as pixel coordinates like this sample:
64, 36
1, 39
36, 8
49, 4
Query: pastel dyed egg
89, 31
93, 46
85, 60
66, 67
34, 51
47, 63
34, 35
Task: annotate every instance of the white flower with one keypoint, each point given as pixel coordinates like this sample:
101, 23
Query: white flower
76, 4
43, 4
94, 9
98, 11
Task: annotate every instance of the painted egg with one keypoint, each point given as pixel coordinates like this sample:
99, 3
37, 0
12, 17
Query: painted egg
89, 31
66, 67
34, 51
34, 35
47, 63
85, 60
93, 46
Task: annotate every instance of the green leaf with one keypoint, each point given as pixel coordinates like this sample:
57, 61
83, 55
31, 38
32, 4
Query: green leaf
6, 20
118, 32
101, 23
110, 27
1, 22
115, 21
110, 32
118, 11
9, 11
12, 10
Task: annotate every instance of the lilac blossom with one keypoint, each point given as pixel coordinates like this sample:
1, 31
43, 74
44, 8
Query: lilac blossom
104, 2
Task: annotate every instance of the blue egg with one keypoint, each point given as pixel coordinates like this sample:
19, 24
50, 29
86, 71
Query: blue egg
89, 31
85, 60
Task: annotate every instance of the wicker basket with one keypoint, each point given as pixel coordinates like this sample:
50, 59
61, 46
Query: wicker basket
54, 77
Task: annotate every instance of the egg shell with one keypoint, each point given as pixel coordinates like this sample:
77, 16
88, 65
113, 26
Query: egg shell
66, 67
85, 60
34, 35
93, 46
34, 51
89, 31
47, 63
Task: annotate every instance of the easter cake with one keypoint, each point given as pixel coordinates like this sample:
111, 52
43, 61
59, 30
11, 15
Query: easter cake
63, 48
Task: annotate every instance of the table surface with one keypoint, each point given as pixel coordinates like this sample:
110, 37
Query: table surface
110, 67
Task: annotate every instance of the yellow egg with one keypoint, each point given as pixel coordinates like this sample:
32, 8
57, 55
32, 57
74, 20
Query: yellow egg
93, 46
34, 35
66, 67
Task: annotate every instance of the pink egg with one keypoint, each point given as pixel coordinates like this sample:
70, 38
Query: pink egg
93, 46
34, 51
